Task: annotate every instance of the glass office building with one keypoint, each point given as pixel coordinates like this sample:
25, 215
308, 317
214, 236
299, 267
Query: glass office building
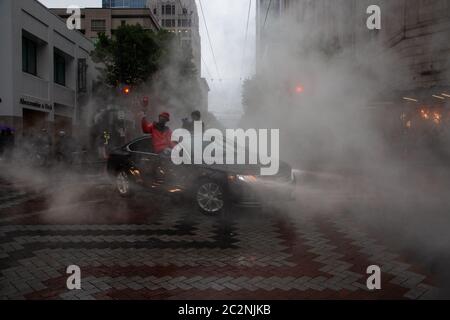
124, 3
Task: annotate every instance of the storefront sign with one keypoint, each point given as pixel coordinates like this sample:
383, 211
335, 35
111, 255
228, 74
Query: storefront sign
35, 104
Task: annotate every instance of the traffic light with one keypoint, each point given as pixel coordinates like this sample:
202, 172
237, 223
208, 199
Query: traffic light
299, 89
293, 87
126, 90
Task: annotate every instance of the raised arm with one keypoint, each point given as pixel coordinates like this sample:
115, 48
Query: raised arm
147, 127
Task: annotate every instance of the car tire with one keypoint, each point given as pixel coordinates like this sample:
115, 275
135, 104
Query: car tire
123, 184
211, 197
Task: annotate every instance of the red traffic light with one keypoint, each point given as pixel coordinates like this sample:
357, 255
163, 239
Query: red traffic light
299, 89
126, 90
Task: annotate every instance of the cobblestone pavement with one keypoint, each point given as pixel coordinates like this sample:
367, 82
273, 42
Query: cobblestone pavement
148, 249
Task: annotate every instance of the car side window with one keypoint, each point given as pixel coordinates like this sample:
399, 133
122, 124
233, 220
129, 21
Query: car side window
144, 145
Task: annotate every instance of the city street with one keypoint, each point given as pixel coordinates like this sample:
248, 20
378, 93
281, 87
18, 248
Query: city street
147, 248
238, 150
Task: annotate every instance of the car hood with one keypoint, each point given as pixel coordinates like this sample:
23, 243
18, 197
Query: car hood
246, 169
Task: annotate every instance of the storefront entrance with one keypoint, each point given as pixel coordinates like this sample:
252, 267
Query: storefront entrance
34, 121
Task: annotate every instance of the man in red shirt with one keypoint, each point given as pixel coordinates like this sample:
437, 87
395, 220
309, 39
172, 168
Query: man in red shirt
161, 134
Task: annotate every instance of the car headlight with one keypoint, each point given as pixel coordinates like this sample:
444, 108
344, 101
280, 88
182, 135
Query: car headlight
246, 178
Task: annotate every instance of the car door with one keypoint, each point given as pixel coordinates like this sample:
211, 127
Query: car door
170, 174
147, 162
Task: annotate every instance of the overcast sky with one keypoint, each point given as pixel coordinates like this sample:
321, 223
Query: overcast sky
226, 21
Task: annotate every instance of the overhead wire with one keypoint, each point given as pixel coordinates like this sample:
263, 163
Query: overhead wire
207, 69
209, 39
246, 38
267, 14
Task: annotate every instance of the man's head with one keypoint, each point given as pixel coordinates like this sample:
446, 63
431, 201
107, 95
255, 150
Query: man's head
196, 115
164, 117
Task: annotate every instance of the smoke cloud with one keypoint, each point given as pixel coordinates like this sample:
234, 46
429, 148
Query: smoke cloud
332, 101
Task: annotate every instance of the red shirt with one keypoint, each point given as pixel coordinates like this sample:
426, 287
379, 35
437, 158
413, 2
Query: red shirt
161, 139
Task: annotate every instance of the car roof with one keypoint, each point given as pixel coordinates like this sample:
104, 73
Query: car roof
147, 136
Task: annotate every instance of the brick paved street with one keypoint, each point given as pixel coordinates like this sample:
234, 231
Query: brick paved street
127, 251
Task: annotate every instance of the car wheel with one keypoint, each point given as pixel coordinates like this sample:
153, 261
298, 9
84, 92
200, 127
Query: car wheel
210, 198
123, 184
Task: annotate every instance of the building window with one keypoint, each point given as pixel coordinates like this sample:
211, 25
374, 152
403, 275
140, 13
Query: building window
155, 11
138, 3
168, 10
29, 56
98, 25
59, 69
184, 23
168, 23
123, 22
82, 79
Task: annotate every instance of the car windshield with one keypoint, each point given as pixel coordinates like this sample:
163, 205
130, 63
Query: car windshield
143, 145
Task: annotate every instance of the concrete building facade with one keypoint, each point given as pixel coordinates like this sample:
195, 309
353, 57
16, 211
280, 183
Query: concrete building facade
180, 17
415, 31
47, 74
106, 20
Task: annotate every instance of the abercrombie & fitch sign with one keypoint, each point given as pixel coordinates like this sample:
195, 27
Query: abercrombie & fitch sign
44, 106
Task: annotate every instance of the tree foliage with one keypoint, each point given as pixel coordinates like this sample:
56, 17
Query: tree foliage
131, 56
154, 62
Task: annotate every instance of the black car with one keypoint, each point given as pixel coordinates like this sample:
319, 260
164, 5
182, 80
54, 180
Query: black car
135, 167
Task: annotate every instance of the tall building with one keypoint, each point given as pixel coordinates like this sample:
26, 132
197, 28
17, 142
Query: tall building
407, 60
124, 3
417, 32
180, 17
47, 73
281, 21
267, 11
414, 31
96, 20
